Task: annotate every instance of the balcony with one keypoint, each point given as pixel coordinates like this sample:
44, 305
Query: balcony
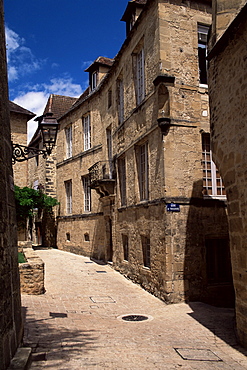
102, 178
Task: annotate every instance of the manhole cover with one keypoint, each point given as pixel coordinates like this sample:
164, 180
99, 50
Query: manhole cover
134, 318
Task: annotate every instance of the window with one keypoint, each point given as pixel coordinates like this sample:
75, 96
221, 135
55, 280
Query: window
218, 261
68, 135
109, 98
36, 185
37, 160
94, 80
202, 32
87, 132
143, 171
212, 182
140, 77
120, 95
68, 237
109, 151
87, 193
125, 241
86, 237
68, 191
146, 251
122, 180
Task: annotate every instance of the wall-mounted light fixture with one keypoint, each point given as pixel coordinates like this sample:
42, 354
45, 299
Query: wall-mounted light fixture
48, 127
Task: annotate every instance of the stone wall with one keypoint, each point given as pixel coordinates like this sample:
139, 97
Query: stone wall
167, 32
11, 328
228, 91
42, 173
18, 124
32, 273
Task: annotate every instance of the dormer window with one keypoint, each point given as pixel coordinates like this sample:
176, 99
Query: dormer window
132, 12
97, 70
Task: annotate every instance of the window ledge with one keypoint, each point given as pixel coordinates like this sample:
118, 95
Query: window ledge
146, 268
219, 197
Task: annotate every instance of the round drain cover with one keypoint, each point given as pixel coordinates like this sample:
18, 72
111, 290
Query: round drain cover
134, 318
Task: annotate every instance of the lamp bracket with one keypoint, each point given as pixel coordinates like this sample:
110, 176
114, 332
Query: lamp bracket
22, 153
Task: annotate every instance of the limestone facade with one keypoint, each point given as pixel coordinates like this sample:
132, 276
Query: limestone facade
151, 211
11, 327
228, 91
18, 123
42, 175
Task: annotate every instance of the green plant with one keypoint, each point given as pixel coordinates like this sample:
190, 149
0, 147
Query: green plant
21, 258
28, 200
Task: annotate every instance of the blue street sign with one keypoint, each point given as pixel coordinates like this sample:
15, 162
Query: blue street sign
173, 207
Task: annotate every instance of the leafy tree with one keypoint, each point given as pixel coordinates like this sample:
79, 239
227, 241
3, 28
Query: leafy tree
28, 200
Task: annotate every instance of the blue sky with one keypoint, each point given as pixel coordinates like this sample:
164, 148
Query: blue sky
51, 42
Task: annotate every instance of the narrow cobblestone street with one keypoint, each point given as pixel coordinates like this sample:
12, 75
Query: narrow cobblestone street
77, 324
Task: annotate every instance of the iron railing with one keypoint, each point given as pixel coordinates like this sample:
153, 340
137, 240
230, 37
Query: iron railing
102, 170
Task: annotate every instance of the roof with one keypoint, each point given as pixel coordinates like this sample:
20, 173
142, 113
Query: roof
13, 107
108, 62
59, 104
131, 6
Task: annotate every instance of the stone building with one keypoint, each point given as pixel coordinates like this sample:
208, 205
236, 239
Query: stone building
10, 303
152, 202
42, 174
18, 123
228, 93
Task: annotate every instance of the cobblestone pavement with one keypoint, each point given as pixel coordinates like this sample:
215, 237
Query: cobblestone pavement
77, 324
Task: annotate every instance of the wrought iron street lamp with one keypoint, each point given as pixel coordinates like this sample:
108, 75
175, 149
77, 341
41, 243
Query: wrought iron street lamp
48, 127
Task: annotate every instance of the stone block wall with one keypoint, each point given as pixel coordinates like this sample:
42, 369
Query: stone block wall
228, 92
32, 273
11, 327
167, 33
19, 135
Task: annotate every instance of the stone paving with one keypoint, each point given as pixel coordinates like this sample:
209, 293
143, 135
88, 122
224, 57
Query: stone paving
77, 324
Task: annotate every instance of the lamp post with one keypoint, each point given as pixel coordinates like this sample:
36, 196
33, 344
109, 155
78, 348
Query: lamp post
48, 127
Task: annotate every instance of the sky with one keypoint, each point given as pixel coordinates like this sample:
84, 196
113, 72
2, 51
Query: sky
51, 42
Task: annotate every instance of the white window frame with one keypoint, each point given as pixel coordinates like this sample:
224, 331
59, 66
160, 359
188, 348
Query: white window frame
143, 171
120, 91
68, 191
87, 132
68, 135
140, 76
213, 186
87, 193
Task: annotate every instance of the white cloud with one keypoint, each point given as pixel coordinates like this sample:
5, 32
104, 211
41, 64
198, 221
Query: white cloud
13, 40
63, 86
12, 73
20, 58
36, 100
86, 64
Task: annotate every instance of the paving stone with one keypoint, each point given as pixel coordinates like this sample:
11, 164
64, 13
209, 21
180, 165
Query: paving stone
84, 330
